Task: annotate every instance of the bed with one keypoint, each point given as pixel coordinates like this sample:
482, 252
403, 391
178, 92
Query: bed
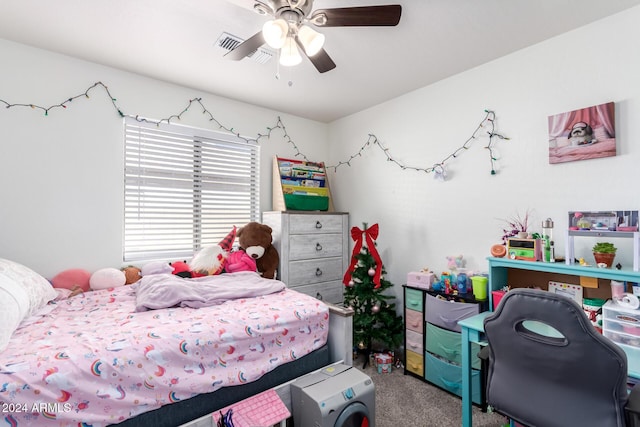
120, 356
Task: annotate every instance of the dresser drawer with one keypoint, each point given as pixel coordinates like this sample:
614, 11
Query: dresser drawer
315, 271
448, 344
332, 292
449, 377
447, 314
413, 299
415, 363
321, 223
305, 246
414, 341
413, 320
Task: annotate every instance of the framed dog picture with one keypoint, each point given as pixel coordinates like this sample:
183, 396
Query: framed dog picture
588, 133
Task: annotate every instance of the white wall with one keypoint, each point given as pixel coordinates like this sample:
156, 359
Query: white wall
423, 220
61, 175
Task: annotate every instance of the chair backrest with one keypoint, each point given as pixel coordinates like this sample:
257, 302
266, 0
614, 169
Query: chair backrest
575, 378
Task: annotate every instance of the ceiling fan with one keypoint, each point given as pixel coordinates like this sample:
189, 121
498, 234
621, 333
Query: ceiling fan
290, 31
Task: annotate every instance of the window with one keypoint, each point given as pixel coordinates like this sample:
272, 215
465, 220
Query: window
184, 188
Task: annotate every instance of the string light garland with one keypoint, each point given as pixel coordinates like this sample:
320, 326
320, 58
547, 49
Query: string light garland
438, 168
64, 103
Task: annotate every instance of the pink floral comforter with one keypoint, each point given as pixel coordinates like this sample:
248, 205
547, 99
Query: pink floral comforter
94, 360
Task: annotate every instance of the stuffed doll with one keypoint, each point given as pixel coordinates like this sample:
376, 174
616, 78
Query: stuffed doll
210, 260
132, 274
239, 261
255, 239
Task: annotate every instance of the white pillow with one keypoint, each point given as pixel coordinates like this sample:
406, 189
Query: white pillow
18, 279
11, 314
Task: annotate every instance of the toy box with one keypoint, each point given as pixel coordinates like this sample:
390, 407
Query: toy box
421, 279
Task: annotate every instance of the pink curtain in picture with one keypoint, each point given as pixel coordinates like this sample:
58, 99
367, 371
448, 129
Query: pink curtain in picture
598, 116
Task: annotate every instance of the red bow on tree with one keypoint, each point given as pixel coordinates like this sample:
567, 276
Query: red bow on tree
370, 234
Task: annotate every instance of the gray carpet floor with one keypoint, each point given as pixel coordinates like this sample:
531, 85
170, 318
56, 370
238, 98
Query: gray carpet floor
404, 400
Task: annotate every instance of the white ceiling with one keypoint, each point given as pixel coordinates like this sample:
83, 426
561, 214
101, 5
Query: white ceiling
174, 41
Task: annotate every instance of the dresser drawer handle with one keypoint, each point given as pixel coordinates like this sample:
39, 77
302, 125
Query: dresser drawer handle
318, 247
318, 224
318, 272
319, 296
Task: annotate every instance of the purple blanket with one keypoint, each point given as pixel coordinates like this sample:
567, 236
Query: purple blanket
167, 290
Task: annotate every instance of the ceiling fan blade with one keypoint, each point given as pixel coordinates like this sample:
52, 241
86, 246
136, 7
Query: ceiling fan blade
246, 47
321, 60
364, 16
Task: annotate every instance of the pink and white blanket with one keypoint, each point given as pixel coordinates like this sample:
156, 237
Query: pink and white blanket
95, 360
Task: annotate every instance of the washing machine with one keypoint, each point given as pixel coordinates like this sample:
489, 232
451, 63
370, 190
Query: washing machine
337, 396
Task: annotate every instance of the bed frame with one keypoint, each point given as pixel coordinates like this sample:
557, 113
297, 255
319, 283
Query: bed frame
196, 411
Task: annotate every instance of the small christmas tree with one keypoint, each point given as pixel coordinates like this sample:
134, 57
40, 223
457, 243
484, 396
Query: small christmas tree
375, 319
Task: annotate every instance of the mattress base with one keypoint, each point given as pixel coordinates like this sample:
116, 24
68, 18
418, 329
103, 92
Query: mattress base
198, 406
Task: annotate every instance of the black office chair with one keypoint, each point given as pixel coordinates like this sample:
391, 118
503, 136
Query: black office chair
575, 377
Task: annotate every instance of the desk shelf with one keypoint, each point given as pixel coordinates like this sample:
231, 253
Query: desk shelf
571, 234
499, 268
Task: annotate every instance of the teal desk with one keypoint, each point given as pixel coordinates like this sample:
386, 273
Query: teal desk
471, 328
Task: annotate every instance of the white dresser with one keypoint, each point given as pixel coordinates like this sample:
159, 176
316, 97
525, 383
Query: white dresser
314, 251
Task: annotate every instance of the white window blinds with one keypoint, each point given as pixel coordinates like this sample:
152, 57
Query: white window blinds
184, 188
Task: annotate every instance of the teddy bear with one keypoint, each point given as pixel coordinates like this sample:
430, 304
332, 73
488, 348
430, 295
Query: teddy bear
256, 240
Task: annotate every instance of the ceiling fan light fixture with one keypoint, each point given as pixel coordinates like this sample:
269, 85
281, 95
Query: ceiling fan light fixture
311, 40
275, 32
289, 54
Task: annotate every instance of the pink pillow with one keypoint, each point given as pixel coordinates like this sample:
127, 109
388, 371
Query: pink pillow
74, 277
106, 278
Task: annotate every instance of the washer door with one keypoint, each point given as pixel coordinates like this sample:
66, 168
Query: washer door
354, 415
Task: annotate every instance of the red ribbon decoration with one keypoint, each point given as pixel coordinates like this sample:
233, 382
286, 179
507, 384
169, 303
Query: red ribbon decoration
370, 234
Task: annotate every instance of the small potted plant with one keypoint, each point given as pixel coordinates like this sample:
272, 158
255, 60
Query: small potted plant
516, 226
604, 252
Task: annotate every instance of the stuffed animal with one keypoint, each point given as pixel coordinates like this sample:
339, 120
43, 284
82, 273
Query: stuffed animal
210, 260
455, 262
255, 239
182, 269
132, 274
239, 261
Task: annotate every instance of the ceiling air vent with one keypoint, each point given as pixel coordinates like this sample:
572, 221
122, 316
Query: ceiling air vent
229, 42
